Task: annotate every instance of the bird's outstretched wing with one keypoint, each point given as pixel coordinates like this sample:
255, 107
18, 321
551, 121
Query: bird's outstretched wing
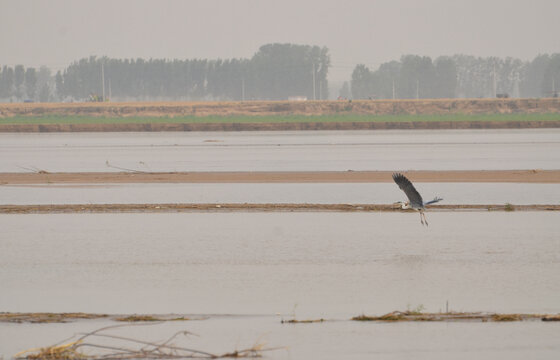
406, 186
436, 199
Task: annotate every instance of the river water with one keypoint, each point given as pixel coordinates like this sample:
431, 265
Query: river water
247, 270
261, 267
353, 193
282, 151
329, 264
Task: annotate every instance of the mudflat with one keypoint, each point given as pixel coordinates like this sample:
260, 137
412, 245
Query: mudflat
467, 176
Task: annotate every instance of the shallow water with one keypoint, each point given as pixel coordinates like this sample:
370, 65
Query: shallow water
280, 265
311, 265
353, 193
326, 264
283, 151
328, 340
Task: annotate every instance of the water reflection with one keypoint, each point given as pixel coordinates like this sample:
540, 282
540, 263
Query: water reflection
324, 341
330, 264
357, 193
283, 151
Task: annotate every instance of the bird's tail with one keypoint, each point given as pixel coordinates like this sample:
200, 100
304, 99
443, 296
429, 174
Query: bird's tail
436, 199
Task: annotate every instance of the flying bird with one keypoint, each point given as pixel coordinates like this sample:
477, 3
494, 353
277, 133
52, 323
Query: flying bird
414, 199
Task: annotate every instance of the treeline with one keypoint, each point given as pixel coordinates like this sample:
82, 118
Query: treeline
280, 71
458, 76
276, 71
26, 84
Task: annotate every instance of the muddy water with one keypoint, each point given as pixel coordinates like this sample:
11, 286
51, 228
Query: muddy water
311, 265
326, 264
328, 340
262, 267
283, 151
377, 193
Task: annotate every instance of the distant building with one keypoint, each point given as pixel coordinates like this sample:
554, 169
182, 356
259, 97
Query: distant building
297, 98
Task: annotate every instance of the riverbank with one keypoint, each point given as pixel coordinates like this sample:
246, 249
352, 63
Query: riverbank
281, 115
277, 126
285, 108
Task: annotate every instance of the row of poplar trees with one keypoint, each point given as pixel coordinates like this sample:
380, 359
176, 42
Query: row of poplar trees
460, 76
276, 71
279, 71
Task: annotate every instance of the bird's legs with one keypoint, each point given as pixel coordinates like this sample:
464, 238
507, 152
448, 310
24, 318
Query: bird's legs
423, 219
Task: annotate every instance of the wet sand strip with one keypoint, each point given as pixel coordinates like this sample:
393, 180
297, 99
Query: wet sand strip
278, 126
238, 207
467, 176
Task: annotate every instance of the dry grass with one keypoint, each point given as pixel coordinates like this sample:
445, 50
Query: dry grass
139, 318
121, 347
47, 317
267, 108
67, 317
136, 318
57, 352
451, 316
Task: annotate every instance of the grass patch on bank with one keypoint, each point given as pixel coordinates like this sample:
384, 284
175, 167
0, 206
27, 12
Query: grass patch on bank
76, 119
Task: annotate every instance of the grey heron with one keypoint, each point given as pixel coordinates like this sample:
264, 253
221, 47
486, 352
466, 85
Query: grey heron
414, 199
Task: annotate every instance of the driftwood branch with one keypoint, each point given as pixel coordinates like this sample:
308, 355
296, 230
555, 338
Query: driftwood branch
147, 349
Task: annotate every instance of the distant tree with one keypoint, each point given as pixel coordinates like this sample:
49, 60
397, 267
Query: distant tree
30, 83
59, 85
362, 82
474, 76
45, 83
509, 76
551, 79
417, 77
19, 77
44, 93
386, 78
446, 78
6, 82
344, 91
284, 70
532, 76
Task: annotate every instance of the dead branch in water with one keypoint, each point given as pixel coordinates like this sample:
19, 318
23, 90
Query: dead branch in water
130, 348
125, 169
294, 321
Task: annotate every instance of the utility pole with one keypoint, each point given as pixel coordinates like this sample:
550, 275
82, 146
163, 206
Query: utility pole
314, 97
103, 81
417, 89
393, 89
243, 89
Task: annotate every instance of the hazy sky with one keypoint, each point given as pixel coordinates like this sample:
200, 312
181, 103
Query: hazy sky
56, 32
